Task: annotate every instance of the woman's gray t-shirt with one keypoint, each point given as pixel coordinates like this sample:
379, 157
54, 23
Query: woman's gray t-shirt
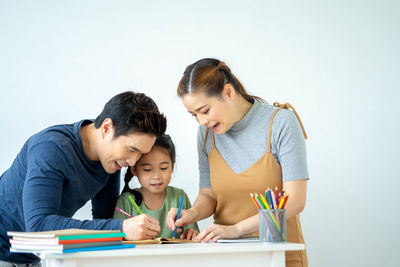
247, 141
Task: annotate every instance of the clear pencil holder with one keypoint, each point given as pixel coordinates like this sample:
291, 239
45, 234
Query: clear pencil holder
272, 225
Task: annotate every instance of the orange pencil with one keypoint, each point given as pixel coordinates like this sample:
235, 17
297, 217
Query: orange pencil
252, 197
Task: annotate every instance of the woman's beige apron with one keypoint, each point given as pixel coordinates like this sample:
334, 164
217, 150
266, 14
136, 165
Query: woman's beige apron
233, 191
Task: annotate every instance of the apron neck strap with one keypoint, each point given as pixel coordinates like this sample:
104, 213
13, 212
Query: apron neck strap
286, 106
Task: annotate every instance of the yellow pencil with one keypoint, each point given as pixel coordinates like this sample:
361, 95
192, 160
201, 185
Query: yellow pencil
281, 202
264, 201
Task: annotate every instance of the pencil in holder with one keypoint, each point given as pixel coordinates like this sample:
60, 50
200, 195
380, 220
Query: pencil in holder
272, 225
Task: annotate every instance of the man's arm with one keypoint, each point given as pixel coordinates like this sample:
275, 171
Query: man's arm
43, 192
104, 203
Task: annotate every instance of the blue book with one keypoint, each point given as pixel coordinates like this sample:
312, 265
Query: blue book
72, 250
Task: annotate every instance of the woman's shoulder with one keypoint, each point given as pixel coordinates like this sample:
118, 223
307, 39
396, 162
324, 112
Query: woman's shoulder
285, 117
267, 110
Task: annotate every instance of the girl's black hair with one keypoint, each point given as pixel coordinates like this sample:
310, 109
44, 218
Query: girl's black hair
163, 141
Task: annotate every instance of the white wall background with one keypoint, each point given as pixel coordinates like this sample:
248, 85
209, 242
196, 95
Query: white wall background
335, 61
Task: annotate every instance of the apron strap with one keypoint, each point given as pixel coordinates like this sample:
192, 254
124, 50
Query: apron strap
270, 129
212, 138
204, 140
286, 106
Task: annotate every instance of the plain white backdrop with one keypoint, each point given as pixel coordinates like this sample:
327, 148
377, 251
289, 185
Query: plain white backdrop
334, 61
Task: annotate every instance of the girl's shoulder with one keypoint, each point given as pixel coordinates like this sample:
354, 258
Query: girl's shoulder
126, 195
175, 191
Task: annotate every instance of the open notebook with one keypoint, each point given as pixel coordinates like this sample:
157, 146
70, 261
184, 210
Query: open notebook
159, 240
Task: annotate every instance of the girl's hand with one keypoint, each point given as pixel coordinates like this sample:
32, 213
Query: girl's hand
217, 231
187, 217
189, 234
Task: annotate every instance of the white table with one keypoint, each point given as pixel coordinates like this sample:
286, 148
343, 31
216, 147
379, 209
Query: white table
192, 255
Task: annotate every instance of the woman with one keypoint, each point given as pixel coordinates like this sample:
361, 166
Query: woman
255, 146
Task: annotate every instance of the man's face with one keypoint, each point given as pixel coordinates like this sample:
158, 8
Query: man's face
124, 150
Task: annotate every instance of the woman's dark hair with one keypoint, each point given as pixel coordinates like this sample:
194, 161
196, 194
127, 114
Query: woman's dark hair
163, 141
133, 112
209, 75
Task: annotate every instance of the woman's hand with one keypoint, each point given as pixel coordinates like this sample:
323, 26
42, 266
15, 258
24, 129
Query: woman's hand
187, 217
140, 227
217, 231
189, 234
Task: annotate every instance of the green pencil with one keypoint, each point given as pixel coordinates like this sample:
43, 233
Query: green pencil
134, 204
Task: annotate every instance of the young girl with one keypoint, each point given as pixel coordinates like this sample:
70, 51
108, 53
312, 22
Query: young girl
155, 197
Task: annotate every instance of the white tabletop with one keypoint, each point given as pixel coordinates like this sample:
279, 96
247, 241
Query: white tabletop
179, 249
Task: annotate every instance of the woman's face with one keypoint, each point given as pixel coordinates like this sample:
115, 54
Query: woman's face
154, 170
212, 112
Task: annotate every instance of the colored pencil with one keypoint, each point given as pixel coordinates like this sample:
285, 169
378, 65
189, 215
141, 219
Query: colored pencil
266, 195
270, 215
270, 199
124, 212
273, 200
135, 205
177, 216
259, 201
285, 201
252, 197
280, 202
264, 201
276, 195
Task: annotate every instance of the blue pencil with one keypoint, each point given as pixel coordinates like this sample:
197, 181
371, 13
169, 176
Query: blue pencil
177, 216
271, 203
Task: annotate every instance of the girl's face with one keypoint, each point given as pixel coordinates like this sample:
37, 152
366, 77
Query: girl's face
212, 112
154, 170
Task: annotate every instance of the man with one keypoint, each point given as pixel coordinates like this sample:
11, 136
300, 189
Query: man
62, 167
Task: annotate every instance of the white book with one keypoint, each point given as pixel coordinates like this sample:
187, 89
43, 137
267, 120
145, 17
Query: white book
246, 239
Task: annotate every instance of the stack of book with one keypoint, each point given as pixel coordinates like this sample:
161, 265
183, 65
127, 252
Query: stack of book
66, 241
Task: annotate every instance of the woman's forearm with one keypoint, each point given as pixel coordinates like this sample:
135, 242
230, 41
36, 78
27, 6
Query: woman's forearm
247, 226
205, 204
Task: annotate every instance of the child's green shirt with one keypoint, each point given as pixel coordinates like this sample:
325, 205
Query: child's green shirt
172, 196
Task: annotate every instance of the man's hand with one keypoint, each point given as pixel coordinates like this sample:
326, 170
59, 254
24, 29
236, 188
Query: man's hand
141, 227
